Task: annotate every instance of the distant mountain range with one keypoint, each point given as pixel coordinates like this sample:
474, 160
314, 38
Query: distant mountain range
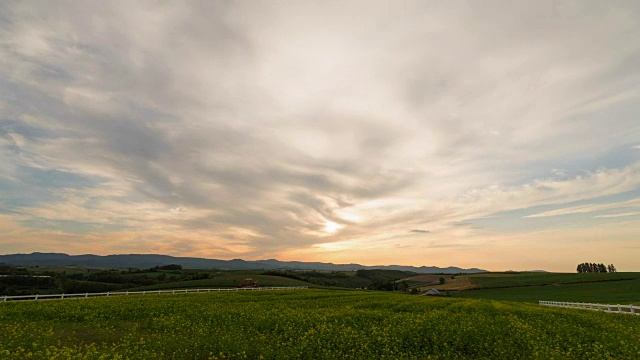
145, 261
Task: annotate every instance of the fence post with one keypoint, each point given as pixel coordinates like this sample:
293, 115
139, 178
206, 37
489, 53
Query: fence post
5, 298
608, 308
36, 298
619, 308
86, 295
633, 311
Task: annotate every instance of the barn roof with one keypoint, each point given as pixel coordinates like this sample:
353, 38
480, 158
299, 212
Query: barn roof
432, 291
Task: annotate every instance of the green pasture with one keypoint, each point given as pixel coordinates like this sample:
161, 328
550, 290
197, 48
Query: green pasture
495, 280
603, 292
226, 280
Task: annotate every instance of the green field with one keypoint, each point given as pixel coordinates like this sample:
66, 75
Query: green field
48, 280
225, 280
614, 288
496, 280
613, 292
309, 324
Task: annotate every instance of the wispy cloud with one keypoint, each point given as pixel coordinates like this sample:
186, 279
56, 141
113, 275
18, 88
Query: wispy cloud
618, 215
634, 203
247, 130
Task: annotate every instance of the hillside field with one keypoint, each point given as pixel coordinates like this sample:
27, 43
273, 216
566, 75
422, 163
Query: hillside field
226, 279
499, 280
309, 324
604, 288
607, 288
48, 280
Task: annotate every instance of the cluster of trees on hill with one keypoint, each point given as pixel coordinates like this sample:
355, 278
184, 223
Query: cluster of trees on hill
12, 270
595, 268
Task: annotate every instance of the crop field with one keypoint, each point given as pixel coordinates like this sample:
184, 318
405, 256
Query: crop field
309, 324
606, 292
615, 288
495, 280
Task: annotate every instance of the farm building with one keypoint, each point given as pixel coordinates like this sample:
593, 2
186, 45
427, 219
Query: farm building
432, 292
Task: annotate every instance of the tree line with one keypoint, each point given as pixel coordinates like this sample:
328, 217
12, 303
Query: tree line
595, 268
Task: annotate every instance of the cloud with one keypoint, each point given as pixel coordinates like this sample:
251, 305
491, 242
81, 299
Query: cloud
618, 215
264, 122
419, 231
590, 208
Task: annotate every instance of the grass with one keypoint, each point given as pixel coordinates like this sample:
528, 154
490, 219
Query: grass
496, 280
226, 280
612, 288
605, 292
309, 324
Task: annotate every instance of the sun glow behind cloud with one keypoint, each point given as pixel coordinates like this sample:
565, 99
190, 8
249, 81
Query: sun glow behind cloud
332, 227
307, 131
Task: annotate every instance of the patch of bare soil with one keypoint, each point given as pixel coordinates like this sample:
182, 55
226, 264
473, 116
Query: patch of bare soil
456, 284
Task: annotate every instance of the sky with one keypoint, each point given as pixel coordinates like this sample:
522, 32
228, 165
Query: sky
496, 134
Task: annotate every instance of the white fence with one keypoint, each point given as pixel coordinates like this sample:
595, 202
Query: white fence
619, 309
86, 295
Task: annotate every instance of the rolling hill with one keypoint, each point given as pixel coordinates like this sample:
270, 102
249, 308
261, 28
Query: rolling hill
143, 261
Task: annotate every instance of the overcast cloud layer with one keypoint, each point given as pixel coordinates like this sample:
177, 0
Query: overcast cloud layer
502, 135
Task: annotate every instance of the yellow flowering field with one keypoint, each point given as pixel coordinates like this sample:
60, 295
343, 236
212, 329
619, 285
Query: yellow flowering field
308, 324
